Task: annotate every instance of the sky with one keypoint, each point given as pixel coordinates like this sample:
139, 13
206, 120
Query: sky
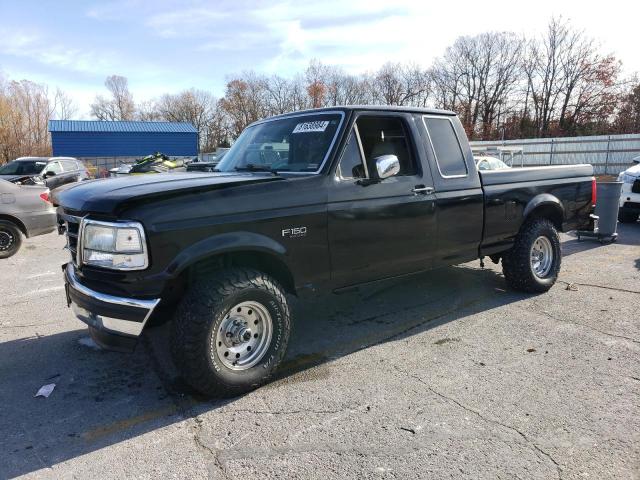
165, 46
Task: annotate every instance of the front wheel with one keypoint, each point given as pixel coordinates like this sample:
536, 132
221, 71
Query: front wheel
230, 332
10, 239
533, 264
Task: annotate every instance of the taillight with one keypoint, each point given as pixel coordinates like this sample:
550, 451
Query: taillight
45, 196
594, 191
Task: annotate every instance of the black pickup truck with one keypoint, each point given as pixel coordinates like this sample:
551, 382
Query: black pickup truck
324, 199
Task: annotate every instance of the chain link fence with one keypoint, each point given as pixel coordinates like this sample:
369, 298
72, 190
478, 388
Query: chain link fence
609, 154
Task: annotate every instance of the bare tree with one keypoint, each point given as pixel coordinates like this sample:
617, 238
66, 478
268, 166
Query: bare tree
476, 77
245, 101
25, 108
196, 107
119, 106
147, 111
628, 116
396, 84
64, 108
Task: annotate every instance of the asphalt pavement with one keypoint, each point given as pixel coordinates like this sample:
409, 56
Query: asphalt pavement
446, 374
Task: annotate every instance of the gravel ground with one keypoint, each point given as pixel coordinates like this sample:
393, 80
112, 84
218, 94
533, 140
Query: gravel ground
443, 375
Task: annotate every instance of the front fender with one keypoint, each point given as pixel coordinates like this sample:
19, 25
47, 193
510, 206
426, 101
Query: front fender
225, 243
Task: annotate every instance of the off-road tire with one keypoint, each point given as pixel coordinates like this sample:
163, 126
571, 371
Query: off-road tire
10, 231
199, 316
516, 263
625, 216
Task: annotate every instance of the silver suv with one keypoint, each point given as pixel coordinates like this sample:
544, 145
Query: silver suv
53, 171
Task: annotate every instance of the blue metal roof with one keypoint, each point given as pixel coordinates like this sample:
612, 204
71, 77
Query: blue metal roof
119, 126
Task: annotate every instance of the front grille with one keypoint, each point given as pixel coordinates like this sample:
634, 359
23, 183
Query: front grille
71, 226
636, 186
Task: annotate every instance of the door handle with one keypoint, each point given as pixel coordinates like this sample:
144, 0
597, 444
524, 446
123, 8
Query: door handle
422, 189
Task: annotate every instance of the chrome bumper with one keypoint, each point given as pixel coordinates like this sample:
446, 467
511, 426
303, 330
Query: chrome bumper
107, 313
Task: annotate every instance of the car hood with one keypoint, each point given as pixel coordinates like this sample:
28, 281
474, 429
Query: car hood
110, 195
635, 170
11, 178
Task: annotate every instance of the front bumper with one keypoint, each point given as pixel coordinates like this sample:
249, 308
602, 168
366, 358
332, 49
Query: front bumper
629, 198
39, 223
115, 323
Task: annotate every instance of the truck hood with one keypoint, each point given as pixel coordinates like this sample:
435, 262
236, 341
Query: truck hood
110, 195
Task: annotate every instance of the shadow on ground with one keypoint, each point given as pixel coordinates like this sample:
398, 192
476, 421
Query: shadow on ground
102, 398
628, 234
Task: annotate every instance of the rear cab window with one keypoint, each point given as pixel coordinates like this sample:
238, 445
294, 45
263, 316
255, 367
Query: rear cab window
446, 148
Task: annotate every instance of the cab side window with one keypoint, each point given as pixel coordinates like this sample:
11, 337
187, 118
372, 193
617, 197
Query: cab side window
386, 136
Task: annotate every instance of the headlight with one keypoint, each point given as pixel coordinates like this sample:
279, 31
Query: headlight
117, 245
626, 178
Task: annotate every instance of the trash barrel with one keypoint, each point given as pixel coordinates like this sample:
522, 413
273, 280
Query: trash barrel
607, 201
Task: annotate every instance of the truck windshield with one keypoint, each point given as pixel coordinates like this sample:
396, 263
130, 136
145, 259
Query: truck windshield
22, 167
293, 144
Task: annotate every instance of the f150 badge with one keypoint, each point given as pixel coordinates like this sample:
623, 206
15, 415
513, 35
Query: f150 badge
294, 232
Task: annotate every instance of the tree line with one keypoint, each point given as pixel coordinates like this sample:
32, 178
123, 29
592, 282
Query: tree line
25, 109
502, 86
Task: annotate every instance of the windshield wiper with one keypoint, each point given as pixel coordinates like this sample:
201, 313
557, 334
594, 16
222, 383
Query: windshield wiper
252, 167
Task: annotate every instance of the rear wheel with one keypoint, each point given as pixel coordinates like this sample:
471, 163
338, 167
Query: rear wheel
10, 239
533, 264
231, 332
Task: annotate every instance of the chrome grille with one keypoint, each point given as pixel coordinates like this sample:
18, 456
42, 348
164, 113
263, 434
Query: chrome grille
71, 226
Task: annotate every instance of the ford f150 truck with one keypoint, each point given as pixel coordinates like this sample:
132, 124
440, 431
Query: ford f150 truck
325, 199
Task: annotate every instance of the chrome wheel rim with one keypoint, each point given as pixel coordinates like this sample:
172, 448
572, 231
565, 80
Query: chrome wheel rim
244, 335
6, 240
541, 257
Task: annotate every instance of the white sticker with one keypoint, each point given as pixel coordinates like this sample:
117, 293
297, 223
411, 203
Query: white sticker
319, 126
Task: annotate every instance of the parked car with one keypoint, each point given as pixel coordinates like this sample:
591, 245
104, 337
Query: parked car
24, 210
154, 163
323, 200
201, 166
490, 163
52, 171
629, 208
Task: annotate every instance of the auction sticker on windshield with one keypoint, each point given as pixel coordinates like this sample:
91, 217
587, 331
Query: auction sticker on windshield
319, 126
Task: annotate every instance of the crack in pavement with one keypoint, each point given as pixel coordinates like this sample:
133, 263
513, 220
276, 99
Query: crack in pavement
196, 429
29, 325
185, 406
595, 285
288, 412
539, 451
588, 327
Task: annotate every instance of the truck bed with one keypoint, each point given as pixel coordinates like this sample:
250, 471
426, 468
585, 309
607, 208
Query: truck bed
564, 191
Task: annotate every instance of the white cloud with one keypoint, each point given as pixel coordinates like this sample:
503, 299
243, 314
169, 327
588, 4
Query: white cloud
190, 22
32, 46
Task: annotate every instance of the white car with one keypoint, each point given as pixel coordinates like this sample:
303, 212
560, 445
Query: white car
630, 196
490, 163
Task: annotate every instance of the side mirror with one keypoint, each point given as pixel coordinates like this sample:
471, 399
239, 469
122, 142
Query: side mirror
49, 174
636, 160
387, 166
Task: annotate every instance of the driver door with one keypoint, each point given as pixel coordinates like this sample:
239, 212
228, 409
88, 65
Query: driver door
380, 228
